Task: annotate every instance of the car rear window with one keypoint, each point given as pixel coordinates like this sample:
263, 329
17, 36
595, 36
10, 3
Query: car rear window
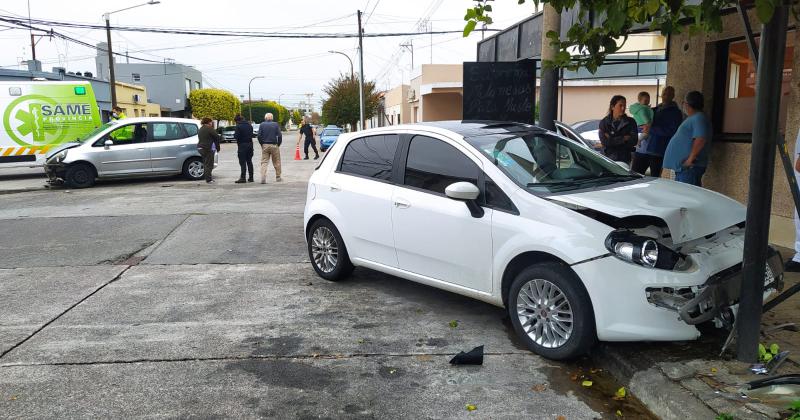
371, 156
191, 129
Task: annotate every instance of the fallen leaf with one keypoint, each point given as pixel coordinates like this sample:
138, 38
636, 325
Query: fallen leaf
619, 414
713, 370
561, 418
13, 398
471, 407
620, 394
539, 387
453, 324
360, 341
587, 383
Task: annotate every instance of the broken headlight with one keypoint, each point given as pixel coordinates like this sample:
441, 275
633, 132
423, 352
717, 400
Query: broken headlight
641, 250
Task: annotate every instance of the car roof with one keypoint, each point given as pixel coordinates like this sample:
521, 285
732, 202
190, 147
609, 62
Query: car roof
466, 128
155, 119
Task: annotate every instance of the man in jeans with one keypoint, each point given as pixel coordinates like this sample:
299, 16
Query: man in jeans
687, 152
269, 136
207, 137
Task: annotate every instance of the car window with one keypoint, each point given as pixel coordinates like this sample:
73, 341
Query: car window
191, 129
127, 134
433, 165
329, 132
496, 198
371, 156
163, 131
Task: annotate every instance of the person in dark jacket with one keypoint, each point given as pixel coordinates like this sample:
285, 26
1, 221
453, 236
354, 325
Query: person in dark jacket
207, 138
243, 133
270, 138
618, 132
650, 151
307, 130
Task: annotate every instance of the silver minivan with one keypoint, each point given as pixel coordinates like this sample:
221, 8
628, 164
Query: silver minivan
132, 147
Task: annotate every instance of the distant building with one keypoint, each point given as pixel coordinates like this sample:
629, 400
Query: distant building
169, 83
100, 87
134, 102
398, 109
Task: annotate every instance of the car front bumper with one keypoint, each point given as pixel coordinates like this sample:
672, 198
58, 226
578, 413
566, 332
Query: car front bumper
635, 303
54, 171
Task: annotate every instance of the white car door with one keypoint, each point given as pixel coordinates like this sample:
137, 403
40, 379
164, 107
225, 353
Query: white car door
434, 235
361, 186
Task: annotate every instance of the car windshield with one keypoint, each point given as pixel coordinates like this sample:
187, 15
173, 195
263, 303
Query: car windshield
588, 125
331, 132
545, 163
94, 132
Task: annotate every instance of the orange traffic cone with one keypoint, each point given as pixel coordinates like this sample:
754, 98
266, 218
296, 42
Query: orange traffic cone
297, 153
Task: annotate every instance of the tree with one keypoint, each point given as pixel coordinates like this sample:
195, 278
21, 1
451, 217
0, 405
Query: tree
587, 44
342, 105
261, 108
297, 118
315, 118
216, 104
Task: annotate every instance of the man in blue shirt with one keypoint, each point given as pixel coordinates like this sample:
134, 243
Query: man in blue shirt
687, 152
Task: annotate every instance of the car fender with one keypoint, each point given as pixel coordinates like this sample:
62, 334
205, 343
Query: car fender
324, 208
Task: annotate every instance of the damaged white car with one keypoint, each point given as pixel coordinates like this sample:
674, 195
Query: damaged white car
575, 246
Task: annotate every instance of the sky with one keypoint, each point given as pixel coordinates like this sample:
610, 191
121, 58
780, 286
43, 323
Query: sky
291, 67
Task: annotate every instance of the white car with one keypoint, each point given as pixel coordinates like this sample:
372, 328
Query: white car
576, 247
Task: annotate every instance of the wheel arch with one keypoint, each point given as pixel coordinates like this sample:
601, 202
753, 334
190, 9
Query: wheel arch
522, 261
83, 162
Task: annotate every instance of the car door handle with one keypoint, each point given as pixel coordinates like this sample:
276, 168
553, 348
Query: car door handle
401, 204
335, 188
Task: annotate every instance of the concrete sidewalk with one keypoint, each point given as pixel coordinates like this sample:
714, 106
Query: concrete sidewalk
691, 380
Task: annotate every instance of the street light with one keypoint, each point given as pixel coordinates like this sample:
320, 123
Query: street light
250, 97
348, 59
112, 81
279, 98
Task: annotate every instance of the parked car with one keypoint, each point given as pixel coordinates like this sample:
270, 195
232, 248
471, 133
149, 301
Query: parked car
328, 136
131, 147
255, 129
227, 133
574, 246
589, 131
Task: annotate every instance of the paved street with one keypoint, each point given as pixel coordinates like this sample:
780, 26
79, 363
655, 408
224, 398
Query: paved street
170, 298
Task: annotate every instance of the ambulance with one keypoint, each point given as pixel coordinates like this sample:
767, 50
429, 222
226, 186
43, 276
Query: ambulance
40, 115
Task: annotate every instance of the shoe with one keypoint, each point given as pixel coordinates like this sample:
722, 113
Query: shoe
239, 181
316, 157
278, 179
210, 181
792, 266
250, 180
305, 158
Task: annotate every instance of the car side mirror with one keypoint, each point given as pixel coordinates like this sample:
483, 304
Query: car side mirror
468, 193
107, 144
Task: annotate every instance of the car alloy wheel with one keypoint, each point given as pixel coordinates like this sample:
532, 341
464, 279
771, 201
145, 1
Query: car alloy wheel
196, 169
545, 313
324, 249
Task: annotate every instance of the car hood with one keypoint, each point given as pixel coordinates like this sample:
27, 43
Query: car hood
59, 148
689, 212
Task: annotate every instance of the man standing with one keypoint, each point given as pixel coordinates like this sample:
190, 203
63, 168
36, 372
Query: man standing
687, 152
794, 263
244, 140
269, 136
207, 137
307, 130
650, 150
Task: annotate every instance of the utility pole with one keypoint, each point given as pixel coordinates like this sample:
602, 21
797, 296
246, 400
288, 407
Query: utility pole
360, 72
410, 46
762, 170
548, 92
112, 82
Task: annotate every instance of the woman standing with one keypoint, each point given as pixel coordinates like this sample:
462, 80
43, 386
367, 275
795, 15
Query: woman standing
618, 132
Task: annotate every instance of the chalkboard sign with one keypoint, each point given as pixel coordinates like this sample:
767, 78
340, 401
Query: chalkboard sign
502, 91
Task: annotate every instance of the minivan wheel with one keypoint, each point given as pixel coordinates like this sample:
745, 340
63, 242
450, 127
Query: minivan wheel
79, 175
551, 311
327, 251
193, 168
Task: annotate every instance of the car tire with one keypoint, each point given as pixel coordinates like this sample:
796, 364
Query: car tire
327, 251
193, 168
551, 301
80, 175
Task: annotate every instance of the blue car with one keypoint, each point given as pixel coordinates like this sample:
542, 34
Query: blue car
328, 136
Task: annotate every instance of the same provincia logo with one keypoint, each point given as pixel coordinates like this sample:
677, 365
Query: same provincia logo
37, 120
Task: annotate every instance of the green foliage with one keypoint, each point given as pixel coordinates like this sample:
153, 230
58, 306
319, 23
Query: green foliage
766, 354
261, 108
594, 43
794, 409
724, 416
216, 104
342, 105
297, 118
